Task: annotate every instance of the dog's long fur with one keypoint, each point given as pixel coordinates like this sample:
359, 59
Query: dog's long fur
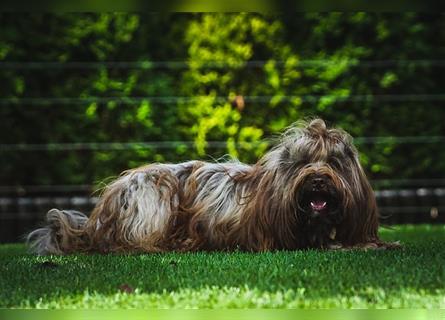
309, 191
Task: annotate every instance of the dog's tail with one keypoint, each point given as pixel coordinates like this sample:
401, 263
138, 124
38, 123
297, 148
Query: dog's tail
64, 233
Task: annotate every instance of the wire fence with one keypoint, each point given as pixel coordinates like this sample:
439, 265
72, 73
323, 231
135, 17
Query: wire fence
117, 146
129, 100
184, 64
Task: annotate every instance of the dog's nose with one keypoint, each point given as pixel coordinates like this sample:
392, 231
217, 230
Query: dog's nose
318, 183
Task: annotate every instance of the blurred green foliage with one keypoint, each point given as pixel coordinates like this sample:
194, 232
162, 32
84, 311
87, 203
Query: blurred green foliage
246, 76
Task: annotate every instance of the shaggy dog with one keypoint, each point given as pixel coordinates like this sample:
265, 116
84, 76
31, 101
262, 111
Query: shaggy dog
309, 191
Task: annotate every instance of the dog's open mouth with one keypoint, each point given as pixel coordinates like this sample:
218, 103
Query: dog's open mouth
318, 205
319, 201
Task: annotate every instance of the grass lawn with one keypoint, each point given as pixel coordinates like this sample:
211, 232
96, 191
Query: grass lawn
413, 277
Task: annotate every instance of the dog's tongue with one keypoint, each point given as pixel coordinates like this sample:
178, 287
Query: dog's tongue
318, 205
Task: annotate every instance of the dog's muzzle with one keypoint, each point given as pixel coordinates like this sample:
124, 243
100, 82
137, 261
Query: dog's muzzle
319, 199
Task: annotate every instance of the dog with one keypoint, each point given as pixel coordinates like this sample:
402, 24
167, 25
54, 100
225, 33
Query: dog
309, 191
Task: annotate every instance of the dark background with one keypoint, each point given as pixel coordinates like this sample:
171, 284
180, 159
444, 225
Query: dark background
85, 96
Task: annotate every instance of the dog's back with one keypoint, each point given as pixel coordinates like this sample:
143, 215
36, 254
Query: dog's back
135, 211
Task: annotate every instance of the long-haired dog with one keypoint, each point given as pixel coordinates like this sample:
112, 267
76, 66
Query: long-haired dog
309, 191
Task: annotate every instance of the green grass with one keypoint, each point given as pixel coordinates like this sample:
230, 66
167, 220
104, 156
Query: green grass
412, 277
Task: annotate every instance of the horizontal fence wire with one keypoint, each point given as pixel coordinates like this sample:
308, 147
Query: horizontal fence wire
222, 99
185, 64
424, 182
116, 146
87, 188
58, 188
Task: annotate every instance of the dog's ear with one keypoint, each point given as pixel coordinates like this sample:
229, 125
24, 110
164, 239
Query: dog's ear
361, 216
269, 221
369, 216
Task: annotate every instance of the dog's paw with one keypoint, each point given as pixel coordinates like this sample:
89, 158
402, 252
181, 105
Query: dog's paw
335, 246
379, 245
390, 245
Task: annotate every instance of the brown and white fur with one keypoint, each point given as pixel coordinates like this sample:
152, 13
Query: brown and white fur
309, 191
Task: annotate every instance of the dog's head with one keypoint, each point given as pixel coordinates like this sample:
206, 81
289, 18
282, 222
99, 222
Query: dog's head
321, 187
331, 187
